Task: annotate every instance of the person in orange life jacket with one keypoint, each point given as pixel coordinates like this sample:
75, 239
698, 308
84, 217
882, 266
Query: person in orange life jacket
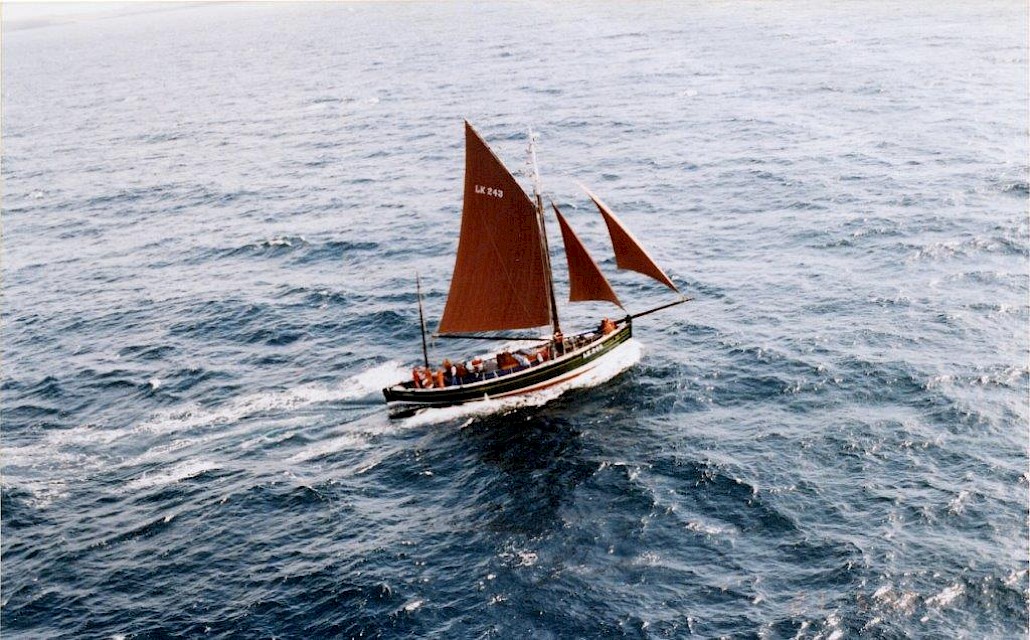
423, 378
607, 326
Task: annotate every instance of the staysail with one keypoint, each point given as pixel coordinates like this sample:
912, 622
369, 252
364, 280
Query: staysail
500, 280
628, 252
586, 282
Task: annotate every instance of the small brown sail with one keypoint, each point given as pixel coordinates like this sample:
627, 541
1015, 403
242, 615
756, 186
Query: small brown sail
628, 252
499, 281
586, 282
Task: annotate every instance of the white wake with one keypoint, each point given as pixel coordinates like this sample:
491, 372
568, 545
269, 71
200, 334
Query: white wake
363, 385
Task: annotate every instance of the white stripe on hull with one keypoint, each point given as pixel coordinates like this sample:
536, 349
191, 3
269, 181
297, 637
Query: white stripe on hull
575, 373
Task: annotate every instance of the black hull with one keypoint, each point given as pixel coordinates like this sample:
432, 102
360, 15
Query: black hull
405, 396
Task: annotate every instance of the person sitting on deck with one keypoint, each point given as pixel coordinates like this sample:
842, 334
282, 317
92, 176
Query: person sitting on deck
506, 361
449, 371
607, 326
422, 377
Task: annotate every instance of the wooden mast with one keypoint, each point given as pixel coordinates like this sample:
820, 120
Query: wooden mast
422, 320
555, 325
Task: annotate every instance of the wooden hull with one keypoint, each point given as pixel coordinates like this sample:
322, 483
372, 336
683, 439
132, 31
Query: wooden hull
406, 397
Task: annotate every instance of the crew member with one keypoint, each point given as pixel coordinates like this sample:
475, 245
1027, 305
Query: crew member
422, 377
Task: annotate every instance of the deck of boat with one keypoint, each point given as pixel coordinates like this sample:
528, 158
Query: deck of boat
582, 355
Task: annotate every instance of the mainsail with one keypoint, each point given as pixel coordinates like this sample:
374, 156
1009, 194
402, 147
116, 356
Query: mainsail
586, 282
500, 280
628, 252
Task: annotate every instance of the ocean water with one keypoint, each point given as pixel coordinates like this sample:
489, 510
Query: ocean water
212, 219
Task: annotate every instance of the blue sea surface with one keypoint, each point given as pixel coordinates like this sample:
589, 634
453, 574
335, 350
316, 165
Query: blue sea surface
212, 217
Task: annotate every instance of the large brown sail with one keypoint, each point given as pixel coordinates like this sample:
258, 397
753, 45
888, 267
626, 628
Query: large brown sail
628, 252
586, 282
499, 280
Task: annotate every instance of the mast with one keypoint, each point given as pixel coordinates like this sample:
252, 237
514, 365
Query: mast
555, 325
422, 320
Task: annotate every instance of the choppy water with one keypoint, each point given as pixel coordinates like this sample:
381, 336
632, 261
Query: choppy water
211, 220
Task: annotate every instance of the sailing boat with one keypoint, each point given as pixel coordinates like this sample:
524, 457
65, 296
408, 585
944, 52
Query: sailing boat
502, 281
